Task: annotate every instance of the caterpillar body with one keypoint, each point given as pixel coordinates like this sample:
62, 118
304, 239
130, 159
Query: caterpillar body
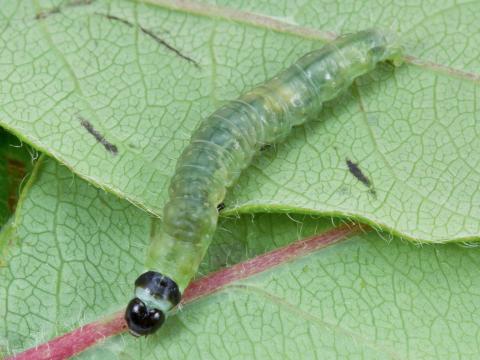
224, 145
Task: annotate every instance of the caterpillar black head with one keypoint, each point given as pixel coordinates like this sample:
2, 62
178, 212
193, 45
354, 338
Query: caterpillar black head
155, 295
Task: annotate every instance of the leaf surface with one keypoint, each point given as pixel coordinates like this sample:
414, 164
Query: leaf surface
114, 89
78, 250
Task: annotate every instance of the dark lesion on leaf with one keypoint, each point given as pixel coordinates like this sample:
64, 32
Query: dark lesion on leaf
16, 172
58, 9
152, 35
355, 170
221, 206
111, 148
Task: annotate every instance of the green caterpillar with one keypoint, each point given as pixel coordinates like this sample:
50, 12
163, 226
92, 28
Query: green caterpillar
224, 145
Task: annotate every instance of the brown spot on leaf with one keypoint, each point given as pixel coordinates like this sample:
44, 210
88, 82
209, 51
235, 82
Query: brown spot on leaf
16, 172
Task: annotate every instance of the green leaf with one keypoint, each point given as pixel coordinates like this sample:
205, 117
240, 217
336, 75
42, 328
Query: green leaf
93, 85
76, 251
76, 254
443, 32
79, 250
362, 298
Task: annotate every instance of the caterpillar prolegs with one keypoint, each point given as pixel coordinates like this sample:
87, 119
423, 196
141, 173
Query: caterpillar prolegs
224, 145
